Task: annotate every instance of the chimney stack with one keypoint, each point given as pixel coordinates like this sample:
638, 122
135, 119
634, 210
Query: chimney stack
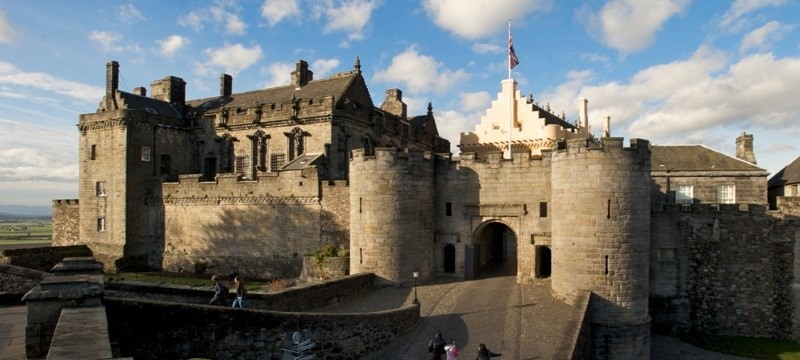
225, 85
607, 126
112, 84
584, 113
393, 103
140, 91
301, 75
172, 90
744, 148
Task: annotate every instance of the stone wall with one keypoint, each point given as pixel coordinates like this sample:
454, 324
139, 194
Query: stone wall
732, 271
751, 187
15, 281
258, 228
335, 213
66, 226
42, 258
141, 328
300, 298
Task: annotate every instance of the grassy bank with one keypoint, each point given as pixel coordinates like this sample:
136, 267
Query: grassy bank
755, 348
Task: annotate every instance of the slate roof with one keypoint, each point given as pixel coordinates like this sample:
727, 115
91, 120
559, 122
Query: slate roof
549, 118
315, 89
143, 103
302, 162
788, 175
695, 158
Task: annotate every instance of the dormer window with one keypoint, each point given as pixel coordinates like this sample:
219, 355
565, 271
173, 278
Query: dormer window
151, 110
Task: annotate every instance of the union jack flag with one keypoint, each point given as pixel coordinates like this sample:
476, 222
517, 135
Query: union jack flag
512, 56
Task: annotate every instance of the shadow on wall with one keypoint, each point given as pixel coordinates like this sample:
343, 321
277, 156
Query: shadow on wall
264, 241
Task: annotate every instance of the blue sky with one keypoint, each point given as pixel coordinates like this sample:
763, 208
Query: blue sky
671, 71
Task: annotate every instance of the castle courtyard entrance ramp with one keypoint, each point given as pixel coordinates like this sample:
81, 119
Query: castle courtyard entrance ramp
520, 321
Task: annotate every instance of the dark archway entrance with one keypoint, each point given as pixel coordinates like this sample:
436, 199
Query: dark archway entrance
496, 250
543, 262
449, 259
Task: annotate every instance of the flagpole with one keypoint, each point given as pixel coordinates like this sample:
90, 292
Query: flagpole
511, 103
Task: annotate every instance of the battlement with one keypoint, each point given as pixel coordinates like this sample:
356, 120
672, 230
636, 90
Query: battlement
65, 202
607, 144
301, 186
392, 154
266, 112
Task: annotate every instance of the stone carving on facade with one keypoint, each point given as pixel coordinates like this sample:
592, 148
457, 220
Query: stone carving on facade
226, 152
257, 111
260, 145
223, 116
295, 107
296, 139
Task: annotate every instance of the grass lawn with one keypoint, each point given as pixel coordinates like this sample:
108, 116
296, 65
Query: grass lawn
756, 348
38, 230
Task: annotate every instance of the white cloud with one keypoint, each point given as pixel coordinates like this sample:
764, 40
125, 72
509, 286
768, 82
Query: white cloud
323, 67
169, 46
216, 15
6, 32
110, 42
350, 16
631, 25
230, 59
740, 8
129, 14
762, 38
9, 74
275, 11
420, 73
279, 74
479, 18
488, 48
480, 100
31, 152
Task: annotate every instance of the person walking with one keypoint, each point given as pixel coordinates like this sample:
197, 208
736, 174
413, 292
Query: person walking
436, 346
451, 350
485, 354
220, 292
241, 293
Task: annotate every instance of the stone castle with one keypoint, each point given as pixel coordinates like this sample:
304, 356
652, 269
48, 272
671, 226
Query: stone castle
669, 238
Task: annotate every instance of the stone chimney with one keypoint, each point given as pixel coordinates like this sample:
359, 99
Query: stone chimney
225, 85
140, 91
112, 84
301, 75
607, 126
744, 148
172, 90
393, 103
583, 116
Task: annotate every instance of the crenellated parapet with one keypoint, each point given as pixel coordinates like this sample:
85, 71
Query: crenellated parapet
290, 187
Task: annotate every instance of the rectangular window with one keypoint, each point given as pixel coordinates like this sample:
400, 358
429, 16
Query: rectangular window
92, 152
276, 161
542, 209
100, 186
448, 209
145, 153
684, 194
726, 194
101, 224
242, 165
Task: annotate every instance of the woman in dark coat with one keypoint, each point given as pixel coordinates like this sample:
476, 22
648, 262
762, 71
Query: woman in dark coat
220, 292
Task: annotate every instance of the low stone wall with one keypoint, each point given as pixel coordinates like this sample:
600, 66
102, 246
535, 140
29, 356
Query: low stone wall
299, 298
579, 341
15, 281
146, 329
42, 258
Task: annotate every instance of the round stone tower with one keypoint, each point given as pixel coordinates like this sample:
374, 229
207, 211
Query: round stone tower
601, 239
391, 214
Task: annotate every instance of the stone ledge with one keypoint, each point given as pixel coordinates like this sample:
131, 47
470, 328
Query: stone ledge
81, 333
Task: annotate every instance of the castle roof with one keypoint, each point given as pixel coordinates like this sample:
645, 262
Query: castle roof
334, 86
550, 118
788, 175
695, 158
148, 104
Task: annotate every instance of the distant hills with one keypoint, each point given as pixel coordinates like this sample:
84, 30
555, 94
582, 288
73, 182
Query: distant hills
10, 212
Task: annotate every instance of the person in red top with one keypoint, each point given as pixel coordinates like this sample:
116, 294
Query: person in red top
451, 349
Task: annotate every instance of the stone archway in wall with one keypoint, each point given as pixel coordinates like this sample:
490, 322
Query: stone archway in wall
495, 249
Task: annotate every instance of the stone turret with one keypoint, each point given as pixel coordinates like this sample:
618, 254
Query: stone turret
601, 239
744, 148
